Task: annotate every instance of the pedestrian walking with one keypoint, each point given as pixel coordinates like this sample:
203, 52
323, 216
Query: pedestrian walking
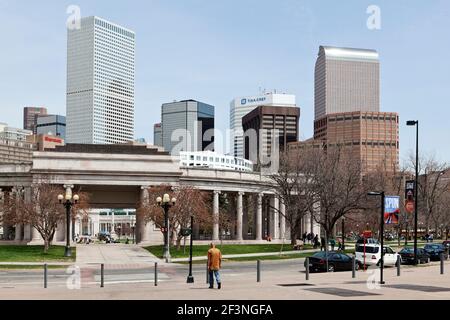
214, 266
332, 243
316, 241
322, 244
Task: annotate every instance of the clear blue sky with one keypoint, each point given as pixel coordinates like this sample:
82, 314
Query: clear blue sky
214, 51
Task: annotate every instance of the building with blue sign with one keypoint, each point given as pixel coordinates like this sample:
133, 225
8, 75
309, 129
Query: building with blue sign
242, 106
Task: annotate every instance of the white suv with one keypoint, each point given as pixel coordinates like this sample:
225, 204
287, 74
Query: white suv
373, 255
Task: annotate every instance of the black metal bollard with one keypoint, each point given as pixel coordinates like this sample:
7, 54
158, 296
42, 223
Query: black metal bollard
442, 263
45, 275
399, 263
102, 276
156, 274
353, 267
258, 271
307, 268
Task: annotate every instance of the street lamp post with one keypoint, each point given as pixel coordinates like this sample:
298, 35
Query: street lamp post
343, 234
68, 201
190, 278
416, 187
166, 204
381, 232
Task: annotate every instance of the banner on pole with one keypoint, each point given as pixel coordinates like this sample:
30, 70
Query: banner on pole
391, 209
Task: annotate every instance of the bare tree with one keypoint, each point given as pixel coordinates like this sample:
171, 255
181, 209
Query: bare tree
190, 202
294, 188
432, 186
338, 187
43, 211
393, 184
441, 215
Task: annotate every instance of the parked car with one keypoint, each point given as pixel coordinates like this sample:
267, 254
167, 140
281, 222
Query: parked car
446, 244
368, 241
407, 255
435, 250
373, 255
336, 262
106, 236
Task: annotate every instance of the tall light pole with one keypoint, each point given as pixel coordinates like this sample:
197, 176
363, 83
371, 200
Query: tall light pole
166, 204
68, 201
412, 123
381, 231
190, 278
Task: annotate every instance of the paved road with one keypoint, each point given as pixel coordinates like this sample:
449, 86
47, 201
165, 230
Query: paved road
116, 274
277, 283
90, 275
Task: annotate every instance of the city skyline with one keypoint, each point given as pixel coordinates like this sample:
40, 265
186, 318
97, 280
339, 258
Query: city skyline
163, 75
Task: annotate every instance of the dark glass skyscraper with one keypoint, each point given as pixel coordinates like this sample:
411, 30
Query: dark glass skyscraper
187, 125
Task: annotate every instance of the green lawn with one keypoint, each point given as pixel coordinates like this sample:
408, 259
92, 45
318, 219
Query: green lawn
30, 267
34, 254
199, 251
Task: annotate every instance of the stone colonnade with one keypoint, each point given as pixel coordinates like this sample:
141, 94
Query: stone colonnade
266, 221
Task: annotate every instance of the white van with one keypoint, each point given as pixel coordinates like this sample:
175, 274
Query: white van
373, 255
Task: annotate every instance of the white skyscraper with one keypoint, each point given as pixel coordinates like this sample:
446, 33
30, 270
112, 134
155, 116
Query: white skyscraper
240, 107
100, 83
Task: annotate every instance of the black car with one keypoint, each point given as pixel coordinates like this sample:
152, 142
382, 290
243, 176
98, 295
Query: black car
336, 262
407, 255
446, 244
435, 250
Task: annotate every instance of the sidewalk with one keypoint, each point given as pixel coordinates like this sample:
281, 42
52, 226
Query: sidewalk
114, 254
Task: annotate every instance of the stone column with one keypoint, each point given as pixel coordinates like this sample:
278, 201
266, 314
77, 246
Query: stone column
259, 211
276, 220
61, 231
19, 192
274, 213
239, 216
27, 233
143, 234
27, 228
282, 220
216, 216
18, 232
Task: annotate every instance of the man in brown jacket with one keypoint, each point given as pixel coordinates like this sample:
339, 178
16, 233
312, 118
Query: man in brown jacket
214, 265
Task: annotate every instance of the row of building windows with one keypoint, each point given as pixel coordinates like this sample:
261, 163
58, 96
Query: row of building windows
367, 143
116, 29
120, 49
372, 118
113, 39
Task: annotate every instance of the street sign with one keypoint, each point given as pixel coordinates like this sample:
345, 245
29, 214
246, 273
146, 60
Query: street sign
392, 209
409, 206
409, 189
409, 196
367, 234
